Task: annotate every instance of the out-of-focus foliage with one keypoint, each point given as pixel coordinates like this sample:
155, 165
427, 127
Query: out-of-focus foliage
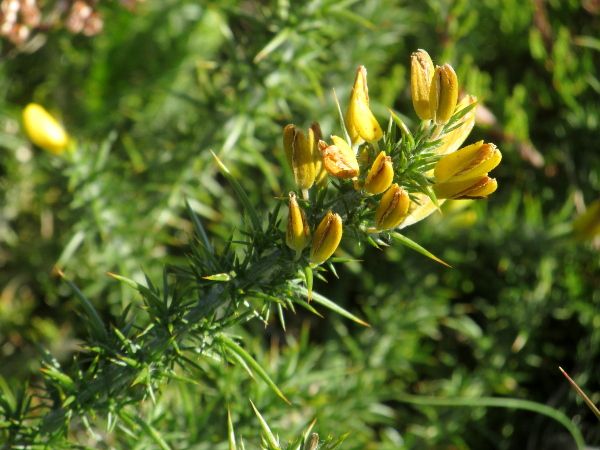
150, 96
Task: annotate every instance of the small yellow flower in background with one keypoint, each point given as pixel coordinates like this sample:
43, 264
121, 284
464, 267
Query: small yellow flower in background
421, 75
587, 225
360, 122
43, 130
392, 208
300, 156
381, 174
326, 239
298, 233
339, 159
443, 94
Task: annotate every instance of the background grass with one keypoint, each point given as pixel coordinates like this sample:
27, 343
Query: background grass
160, 87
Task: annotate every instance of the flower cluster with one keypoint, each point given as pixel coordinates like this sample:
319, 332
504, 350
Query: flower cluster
385, 181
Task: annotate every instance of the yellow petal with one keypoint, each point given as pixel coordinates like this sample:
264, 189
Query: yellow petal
381, 174
314, 136
479, 187
43, 130
339, 159
392, 208
326, 239
443, 94
419, 211
421, 75
468, 162
360, 121
297, 232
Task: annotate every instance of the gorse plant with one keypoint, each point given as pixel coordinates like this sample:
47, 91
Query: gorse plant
366, 184
383, 181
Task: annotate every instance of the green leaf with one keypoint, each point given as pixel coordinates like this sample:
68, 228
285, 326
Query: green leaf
413, 245
230, 433
342, 121
98, 329
273, 44
233, 347
308, 274
148, 294
497, 402
239, 190
266, 430
322, 300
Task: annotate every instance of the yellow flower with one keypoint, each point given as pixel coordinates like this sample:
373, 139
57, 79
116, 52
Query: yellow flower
469, 162
452, 141
473, 188
463, 174
443, 94
381, 175
360, 122
300, 156
43, 130
339, 159
392, 208
314, 136
298, 233
421, 75
326, 239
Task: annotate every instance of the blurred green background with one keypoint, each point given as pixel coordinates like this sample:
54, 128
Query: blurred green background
167, 82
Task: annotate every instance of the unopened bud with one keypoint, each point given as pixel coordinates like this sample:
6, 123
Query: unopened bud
472, 161
381, 175
360, 122
326, 239
392, 208
443, 94
421, 75
314, 136
300, 157
43, 130
474, 188
297, 233
339, 159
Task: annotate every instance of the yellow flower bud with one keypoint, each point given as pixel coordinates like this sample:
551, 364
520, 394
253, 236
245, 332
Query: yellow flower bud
360, 122
472, 161
443, 94
300, 156
326, 239
381, 175
587, 225
392, 208
339, 159
421, 75
474, 188
297, 234
314, 136
43, 130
